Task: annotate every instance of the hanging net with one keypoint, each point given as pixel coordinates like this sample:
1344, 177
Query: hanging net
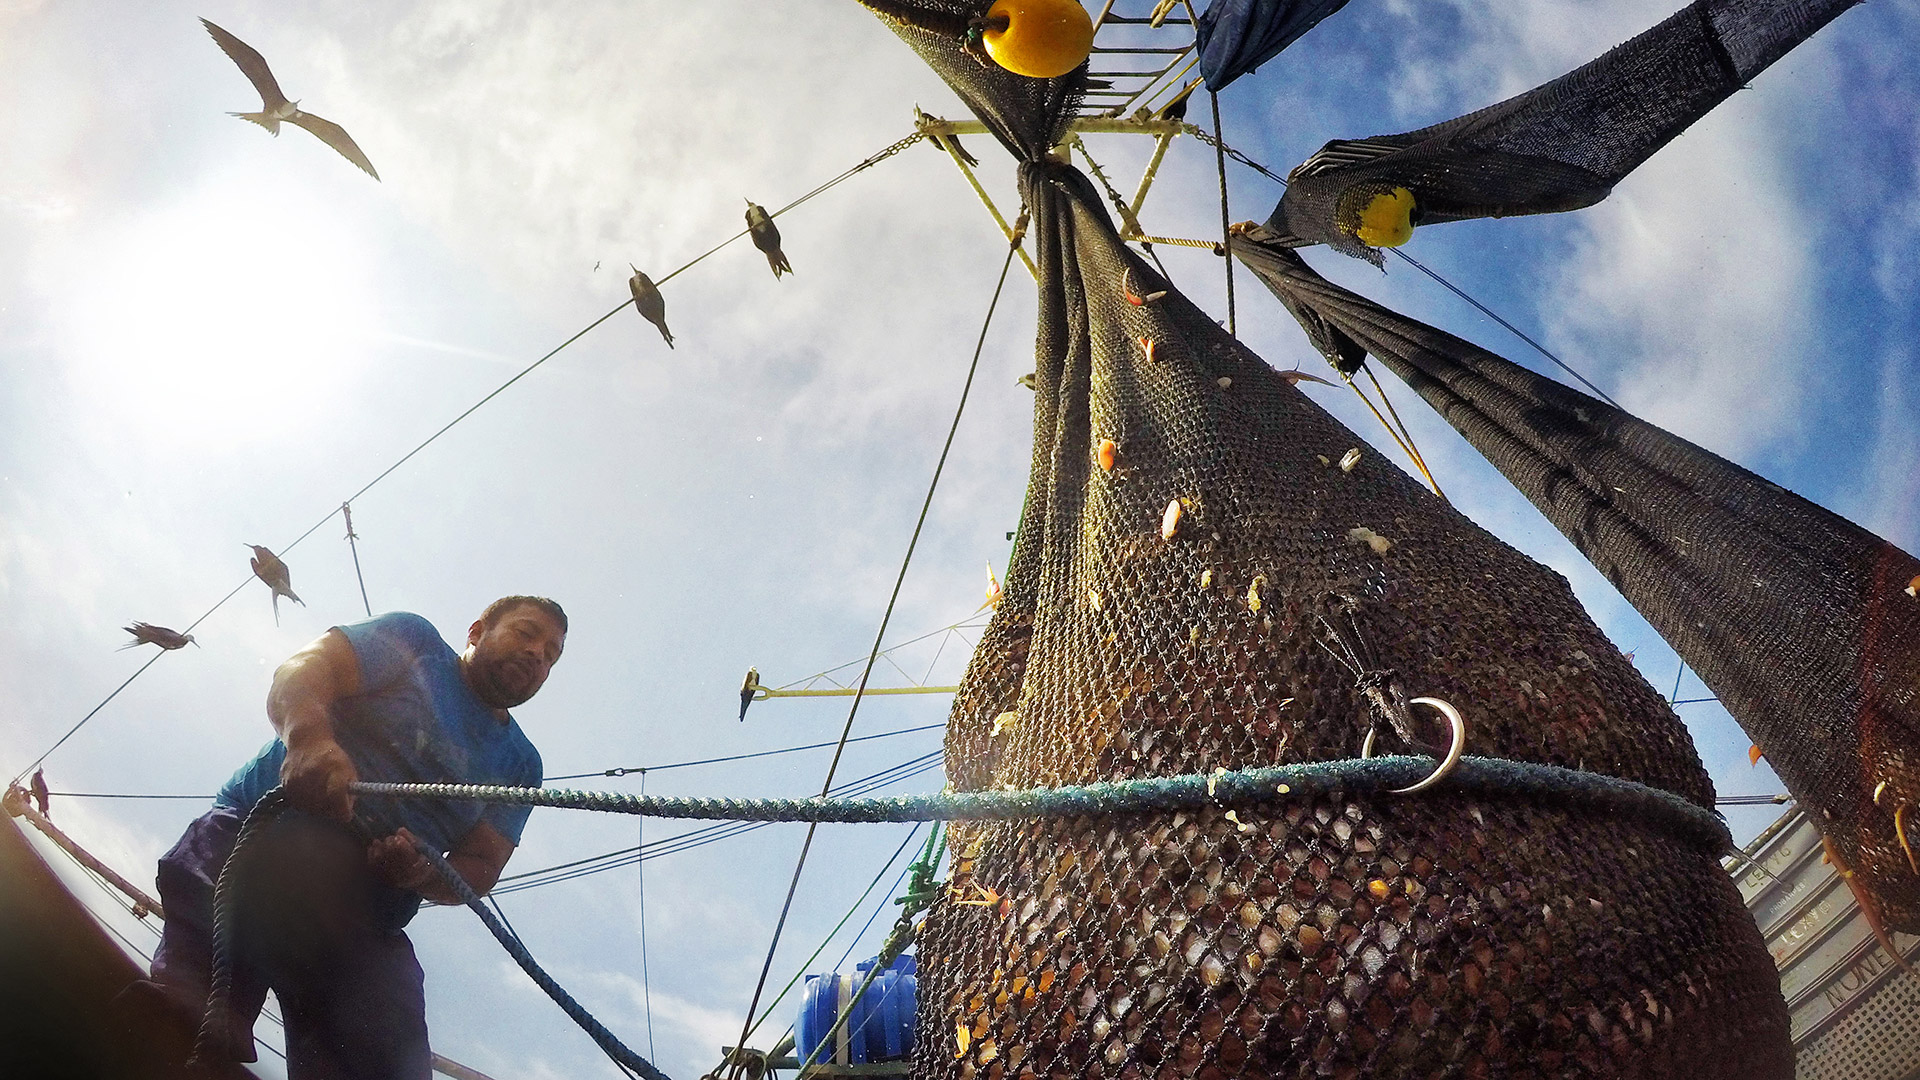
1796, 618
1560, 146
1234, 37
1237, 590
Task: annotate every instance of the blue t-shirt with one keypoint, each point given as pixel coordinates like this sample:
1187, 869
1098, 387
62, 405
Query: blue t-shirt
414, 720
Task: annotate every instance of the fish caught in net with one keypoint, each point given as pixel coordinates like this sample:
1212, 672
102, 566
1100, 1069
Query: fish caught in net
1356, 936
1213, 573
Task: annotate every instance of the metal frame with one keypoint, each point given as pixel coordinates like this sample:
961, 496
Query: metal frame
1164, 45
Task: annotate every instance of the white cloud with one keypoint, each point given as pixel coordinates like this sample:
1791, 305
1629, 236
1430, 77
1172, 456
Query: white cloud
1690, 290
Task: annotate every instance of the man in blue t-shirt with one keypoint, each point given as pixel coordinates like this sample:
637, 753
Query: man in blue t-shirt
330, 884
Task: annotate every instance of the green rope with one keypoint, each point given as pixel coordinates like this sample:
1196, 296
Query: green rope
921, 891
1494, 777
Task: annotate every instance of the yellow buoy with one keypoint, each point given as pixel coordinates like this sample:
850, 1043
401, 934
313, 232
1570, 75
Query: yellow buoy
1387, 219
1038, 38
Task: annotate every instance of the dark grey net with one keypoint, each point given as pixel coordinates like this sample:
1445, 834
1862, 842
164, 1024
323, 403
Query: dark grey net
1795, 617
1352, 936
1027, 115
1563, 144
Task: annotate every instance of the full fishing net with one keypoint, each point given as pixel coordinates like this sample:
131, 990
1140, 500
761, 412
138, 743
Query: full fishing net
1800, 621
1560, 146
1206, 578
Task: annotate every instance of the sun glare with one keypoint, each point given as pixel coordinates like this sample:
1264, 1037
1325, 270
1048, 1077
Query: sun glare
224, 317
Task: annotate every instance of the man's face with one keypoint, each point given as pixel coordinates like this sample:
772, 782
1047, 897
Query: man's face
508, 662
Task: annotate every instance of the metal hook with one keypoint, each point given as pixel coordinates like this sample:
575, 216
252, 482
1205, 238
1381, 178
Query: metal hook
1458, 746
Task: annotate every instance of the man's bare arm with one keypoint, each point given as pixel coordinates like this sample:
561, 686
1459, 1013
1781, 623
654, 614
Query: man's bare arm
317, 771
479, 857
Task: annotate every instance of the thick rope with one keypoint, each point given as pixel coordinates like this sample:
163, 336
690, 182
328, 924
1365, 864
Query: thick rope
1474, 776
595, 1030
216, 1024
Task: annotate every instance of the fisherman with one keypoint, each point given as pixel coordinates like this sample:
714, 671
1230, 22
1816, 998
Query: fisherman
330, 883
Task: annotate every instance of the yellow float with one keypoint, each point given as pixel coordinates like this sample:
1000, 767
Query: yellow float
1041, 39
1387, 219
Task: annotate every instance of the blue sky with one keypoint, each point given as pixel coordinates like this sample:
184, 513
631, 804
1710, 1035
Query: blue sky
210, 337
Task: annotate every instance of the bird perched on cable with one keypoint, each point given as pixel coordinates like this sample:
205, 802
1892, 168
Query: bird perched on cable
149, 634
40, 794
648, 301
268, 568
946, 142
766, 237
274, 106
747, 688
1177, 108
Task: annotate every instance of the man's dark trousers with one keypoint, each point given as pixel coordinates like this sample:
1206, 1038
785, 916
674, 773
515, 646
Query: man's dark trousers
312, 923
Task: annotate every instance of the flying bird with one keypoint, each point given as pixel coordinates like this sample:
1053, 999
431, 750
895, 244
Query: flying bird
149, 634
274, 106
268, 568
767, 238
748, 687
40, 793
648, 301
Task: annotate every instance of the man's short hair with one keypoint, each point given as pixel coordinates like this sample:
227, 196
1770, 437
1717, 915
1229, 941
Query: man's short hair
499, 608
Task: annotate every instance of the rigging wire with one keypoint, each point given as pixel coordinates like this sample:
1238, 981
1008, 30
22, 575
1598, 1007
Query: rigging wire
119, 795
852, 944
874, 654
868, 162
346, 511
640, 886
837, 927
952, 629
1226, 231
701, 837
644, 769
686, 841
1221, 146
114, 894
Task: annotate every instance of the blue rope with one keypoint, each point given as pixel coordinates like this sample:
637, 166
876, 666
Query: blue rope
1473, 775
217, 1038
614, 1048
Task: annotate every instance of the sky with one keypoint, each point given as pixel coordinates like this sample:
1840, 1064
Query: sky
210, 337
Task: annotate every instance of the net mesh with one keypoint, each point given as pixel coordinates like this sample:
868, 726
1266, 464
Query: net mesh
1234, 37
1345, 936
1562, 145
1237, 591
1795, 617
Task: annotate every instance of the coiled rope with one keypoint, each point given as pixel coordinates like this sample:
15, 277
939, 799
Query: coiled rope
217, 1037
1473, 775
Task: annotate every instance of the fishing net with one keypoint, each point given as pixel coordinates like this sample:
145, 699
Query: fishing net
1234, 37
1796, 618
1346, 936
1563, 144
1028, 116
1303, 597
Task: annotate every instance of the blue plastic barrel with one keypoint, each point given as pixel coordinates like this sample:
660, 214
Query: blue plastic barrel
882, 1023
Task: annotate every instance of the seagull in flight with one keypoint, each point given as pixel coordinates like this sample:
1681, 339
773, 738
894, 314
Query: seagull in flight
274, 106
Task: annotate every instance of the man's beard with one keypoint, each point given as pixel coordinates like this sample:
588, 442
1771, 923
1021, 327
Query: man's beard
497, 686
